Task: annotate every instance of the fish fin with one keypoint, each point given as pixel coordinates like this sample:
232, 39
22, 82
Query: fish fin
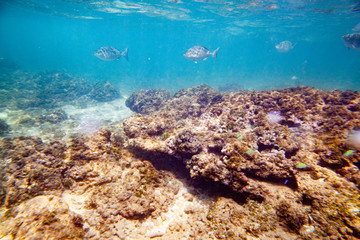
214, 53
125, 54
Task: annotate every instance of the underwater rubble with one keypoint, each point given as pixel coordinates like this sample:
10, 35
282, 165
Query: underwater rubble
280, 164
22, 90
51, 104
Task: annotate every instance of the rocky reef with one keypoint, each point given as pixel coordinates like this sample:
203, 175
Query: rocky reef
252, 142
147, 101
78, 190
22, 90
281, 164
50, 104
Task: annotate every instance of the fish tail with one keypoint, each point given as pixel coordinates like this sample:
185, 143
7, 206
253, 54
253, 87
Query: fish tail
125, 54
214, 53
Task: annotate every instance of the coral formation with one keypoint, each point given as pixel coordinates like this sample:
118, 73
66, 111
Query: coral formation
51, 89
280, 164
147, 101
50, 104
104, 92
47, 177
229, 139
41, 217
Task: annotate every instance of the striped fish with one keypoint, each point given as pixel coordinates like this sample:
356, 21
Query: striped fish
110, 53
200, 53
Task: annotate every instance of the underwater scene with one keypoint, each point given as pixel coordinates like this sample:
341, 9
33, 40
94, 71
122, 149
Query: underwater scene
180, 119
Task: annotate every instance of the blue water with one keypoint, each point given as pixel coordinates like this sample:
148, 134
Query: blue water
62, 35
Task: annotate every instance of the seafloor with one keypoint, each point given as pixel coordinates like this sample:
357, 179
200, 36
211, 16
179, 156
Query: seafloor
280, 164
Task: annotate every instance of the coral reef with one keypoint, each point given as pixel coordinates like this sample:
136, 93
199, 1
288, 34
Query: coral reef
41, 217
229, 139
48, 177
51, 89
280, 164
30, 168
104, 92
50, 104
147, 101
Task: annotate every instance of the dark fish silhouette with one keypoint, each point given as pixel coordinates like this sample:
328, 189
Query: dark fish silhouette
110, 53
352, 40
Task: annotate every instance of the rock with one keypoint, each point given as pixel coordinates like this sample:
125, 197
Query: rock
50, 89
32, 168
4, 127
54, 88
147, 101
243, 174
43, 217
228, 139
55, 116
191, 102
104, 92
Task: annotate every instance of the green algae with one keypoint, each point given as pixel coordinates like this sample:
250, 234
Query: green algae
165, 135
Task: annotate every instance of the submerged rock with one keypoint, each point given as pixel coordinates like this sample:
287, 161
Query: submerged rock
253, 165
147, 101
53, 181
55, 116
52, 89
43, 217
230, 139
104, 92
4, 127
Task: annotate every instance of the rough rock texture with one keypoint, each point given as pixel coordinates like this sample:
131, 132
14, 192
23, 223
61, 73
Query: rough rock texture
22, 90
147, 101
41, 217
104, 92
30, 168
229, 139
205, 165
95, 172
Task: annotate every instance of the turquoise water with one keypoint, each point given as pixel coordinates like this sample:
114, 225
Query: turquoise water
62, 35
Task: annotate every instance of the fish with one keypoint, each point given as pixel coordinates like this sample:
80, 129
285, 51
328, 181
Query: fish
250, 151
110, 53
301, 166
239, 136
284, 46
348, 153
352, 40
200, 53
